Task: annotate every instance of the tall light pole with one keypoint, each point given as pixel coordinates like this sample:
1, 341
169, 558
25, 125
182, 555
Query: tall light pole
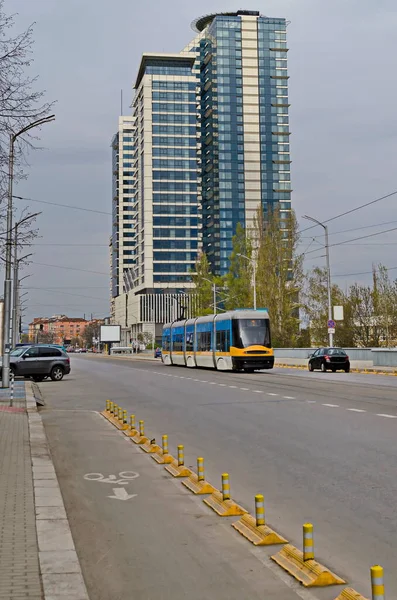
15, 299
253, 262
213, 291
15, 325
330, 335
5, 374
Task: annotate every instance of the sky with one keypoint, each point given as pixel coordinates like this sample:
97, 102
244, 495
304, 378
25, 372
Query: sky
342, 65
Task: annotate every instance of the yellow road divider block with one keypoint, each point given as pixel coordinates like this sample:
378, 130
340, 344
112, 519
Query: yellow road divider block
139, 436
150, 447
197, 483
163, 457
309, 572
350, 594
177, 468
221, 502
260, 535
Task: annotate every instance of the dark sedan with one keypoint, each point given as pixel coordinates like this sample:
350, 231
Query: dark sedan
329, 359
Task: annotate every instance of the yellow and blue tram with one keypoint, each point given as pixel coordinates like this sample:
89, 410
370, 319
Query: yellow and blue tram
237, 340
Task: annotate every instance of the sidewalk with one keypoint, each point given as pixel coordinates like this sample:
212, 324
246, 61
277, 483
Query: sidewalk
37, 556
19, 554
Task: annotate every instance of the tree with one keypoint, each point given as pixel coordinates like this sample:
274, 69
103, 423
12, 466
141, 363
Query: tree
238, 280
279, 276
20, 103
202, 278
385, 305
91, 332
44, 337
360, 303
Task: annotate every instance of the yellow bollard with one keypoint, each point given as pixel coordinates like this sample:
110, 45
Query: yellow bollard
115, 409
120, 415
259, 510
165, 444
378, 588
142, 428
111, 407
132, 422
225, 487
200, 469
107, 405
181, 456
125, 421
308, 542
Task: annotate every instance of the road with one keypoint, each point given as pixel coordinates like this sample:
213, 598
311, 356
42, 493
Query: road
320, 447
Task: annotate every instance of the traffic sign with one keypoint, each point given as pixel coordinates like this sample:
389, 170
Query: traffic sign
331, 329
331, 324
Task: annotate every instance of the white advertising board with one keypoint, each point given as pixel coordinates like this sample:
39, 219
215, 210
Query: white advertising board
110, 333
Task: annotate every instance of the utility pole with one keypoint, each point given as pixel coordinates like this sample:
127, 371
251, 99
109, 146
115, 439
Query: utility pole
328, 268
7, 280
213, 285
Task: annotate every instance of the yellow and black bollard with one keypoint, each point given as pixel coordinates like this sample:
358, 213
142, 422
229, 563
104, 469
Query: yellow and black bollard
200, 469
181, 456
378, 588
107, 405
259, 510
125, 420
308, 542
111, 407
225, 487
142, 428
165, 444
132, 422
120, 415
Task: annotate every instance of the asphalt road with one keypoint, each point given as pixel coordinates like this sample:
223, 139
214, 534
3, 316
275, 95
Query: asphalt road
320, 447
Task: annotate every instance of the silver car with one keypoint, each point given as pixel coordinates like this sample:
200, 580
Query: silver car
39, 362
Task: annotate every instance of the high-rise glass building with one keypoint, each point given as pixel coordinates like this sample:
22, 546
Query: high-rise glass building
210, 144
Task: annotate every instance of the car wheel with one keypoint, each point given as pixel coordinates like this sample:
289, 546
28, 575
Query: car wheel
38, 378
310, 367
56, 373
347, 370
333, 370
323, 368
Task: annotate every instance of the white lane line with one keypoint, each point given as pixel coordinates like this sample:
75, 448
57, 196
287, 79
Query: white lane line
387, 416
245, 389
311, 401
332, 405
271, 394
212, 383
359, 410
222, 385
258, 391
288, 397
233, 386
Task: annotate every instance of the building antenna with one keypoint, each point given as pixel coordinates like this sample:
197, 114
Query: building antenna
121, 102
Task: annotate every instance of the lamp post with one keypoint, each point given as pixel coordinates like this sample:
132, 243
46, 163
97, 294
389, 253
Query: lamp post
253, 262
213, 291
330, 335
7, 280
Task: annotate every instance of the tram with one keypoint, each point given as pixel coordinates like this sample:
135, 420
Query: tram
237, 340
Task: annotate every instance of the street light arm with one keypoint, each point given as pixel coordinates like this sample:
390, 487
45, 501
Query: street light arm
314, 221
32, 125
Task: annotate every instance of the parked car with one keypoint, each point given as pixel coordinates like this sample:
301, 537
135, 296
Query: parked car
329, 359
39, 362
157, 353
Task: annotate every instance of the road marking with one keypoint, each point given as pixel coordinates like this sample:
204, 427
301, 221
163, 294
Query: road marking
259, 392
233, 386
359, 410
289, 397
212, 382
121, 494
245, 389
332, 405
271, 394
311, 401
125, 477
387, 416
222, 385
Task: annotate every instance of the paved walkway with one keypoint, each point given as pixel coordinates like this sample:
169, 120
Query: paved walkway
19, 562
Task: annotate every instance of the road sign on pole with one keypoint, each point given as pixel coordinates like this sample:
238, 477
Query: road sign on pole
331, 329
331, 324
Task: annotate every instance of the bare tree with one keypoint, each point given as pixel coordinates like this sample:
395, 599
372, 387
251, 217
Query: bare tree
20, 102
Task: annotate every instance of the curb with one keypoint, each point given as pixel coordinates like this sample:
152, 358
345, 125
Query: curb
363, 371
59, 564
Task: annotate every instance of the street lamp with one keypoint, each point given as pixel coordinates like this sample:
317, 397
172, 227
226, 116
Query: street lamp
213, 291
5, 383
253, 262
330, 335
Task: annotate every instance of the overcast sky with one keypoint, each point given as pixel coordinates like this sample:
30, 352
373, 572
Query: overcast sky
342, 66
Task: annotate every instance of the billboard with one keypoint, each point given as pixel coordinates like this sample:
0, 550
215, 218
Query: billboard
110, 333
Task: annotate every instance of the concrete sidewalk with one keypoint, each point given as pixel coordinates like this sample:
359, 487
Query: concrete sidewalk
37, 556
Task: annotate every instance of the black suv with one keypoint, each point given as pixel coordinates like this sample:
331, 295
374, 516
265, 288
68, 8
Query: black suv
39, 362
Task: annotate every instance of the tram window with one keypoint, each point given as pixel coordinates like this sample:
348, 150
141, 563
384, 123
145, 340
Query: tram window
189, 342
222, 341
204, 341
